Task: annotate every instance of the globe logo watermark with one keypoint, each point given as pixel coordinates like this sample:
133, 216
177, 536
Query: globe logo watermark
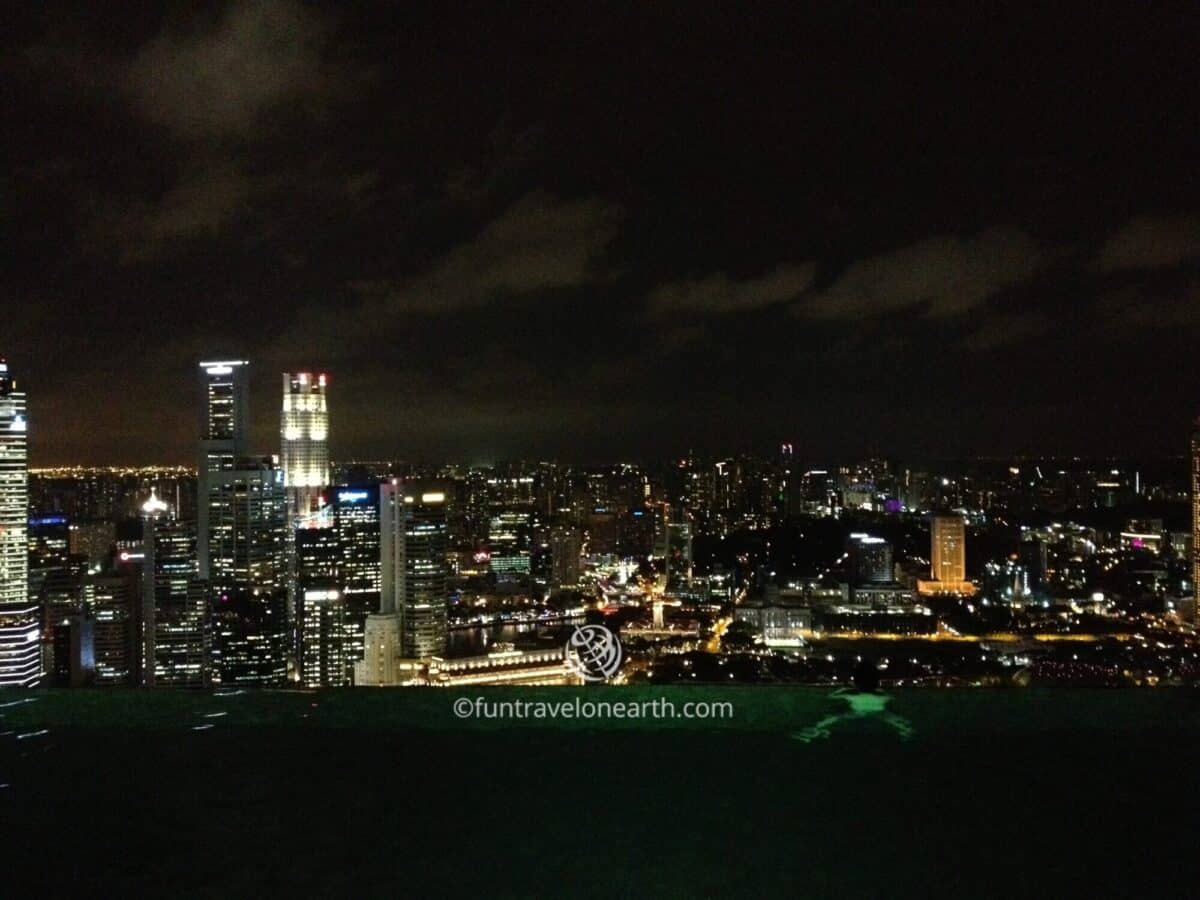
593, 652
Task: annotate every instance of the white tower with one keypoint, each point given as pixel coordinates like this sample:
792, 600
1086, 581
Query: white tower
303, 434
20, 650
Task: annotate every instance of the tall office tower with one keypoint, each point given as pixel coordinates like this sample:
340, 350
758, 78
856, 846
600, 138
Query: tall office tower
20, 648
565, 548
247, 520
304, 459
114, 600
948, 555
1196, 514
870, 559
303, 431
55, 579
321, 609
174, 601
423, 609
509, 540
410, 625
223, 386
390, 548
377, 664
356, 518
247, 528
948, 539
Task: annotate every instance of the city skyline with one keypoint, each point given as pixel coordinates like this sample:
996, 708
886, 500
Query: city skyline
674, 449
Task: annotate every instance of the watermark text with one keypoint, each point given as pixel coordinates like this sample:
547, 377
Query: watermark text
579, 708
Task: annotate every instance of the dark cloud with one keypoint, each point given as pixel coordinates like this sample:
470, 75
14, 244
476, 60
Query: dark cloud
202, 204
719, 293
605, 232
1137, 309
206, 79
540, 243
1007, 329
1150, 242
944, 275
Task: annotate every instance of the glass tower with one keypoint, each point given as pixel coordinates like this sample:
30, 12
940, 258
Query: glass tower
356, 515
424, 596
321, 610
223, 387
20, 648
175, 616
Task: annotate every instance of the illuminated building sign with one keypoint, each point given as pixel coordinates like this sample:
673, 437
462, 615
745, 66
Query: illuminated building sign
42, 521
352, 496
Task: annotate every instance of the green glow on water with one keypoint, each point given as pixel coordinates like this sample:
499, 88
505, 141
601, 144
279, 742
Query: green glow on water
862, 706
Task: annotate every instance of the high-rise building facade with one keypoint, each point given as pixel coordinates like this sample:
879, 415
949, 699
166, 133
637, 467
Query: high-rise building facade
948, 548
423, 609
356, 516
242, 537
303, 433
410, 625
948, 557
55, 579
566, 545
247, 527
321, 608
870, 559
20, 648
175, 607
377, 663
509, 540
223, 409
115, 602
248, 574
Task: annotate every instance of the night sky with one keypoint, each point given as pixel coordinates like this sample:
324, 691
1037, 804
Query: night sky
606, 234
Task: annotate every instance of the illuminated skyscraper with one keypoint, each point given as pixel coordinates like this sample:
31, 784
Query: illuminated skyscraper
223, 386
870, 559
509, 538
174, 601
303, 431
410, 626
247, 527
247, 524
20, 648
115, 600
948, 538
321, 608
948, 557
356, 519
378, 661
424, 598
